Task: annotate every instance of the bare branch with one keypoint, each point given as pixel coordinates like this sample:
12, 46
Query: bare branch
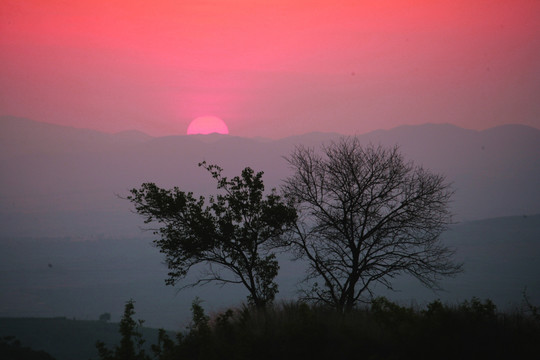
365, 216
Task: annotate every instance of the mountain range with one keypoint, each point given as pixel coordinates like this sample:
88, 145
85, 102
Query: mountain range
63, 181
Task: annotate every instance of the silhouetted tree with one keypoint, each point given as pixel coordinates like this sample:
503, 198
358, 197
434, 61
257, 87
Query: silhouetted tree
386, 330
365, 216
105, 317
234, 234
131, 343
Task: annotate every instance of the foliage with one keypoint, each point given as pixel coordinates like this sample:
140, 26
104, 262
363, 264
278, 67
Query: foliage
236, 232
131, 343
366, 216
105, 317
389, 311
478, 309
11, 348
530, 308
385, 330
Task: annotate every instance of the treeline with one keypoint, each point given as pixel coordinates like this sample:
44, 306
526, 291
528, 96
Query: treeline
385, 330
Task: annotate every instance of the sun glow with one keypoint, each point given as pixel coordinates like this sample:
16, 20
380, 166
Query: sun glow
207, 125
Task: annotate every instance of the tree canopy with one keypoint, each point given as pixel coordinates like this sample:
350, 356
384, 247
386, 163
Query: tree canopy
233, 234
365, 216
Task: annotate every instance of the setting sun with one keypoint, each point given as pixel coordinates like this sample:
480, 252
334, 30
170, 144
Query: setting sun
207, 125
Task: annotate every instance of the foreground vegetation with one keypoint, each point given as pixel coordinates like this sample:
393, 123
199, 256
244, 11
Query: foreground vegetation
385, 330
12, 349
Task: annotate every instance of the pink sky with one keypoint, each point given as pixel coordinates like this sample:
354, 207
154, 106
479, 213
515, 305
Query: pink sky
270, 68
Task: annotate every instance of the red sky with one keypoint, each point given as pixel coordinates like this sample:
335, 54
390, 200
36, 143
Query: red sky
270, 68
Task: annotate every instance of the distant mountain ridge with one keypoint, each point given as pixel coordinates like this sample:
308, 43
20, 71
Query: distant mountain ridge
62, 181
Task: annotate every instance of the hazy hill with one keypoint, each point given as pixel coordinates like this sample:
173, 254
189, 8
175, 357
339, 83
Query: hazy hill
62, 181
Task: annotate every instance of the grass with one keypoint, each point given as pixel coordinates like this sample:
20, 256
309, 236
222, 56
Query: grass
473, 329
385, 330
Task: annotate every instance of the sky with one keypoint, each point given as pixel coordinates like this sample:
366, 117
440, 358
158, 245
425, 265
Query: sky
270, 68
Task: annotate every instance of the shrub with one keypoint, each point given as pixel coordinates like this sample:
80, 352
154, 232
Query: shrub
385, 330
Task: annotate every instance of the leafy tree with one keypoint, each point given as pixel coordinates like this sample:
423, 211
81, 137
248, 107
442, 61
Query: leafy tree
131, 343
105, 317
194, 344
365, 216
234, 234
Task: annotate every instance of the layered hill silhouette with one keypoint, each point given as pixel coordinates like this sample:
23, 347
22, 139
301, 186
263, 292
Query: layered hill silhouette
63, 181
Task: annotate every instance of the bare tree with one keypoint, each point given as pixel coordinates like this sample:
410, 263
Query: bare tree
366, 216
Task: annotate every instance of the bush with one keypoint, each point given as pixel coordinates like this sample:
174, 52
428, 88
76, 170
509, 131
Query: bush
11, 348
386, 330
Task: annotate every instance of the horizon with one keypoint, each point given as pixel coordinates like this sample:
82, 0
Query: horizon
483, 165
217, 134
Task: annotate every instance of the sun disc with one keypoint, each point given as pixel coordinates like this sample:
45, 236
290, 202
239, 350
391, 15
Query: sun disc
207, 125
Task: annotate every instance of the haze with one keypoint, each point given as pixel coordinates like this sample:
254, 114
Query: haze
97, 96
59, 206
270, 69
